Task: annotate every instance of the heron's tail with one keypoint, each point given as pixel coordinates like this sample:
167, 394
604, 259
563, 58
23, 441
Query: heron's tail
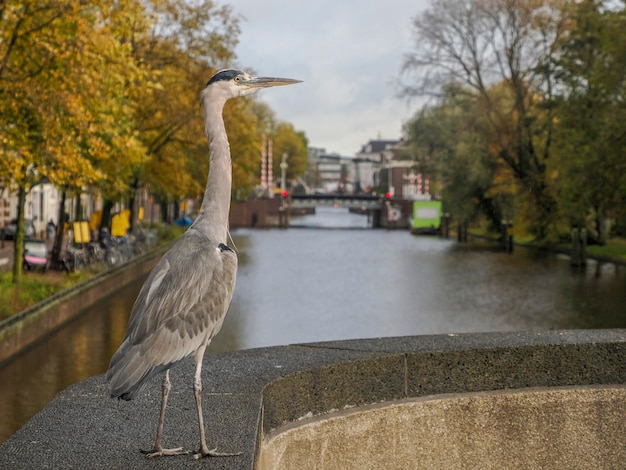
129, 371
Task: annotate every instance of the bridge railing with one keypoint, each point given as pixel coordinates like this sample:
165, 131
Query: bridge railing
352, 201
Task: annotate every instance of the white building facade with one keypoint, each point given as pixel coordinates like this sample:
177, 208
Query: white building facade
369, 161
42, 205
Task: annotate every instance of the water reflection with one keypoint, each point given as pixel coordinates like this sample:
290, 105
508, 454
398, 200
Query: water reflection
301, 286
332, 218
306, 285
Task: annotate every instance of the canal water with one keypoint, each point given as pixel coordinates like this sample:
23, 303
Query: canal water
331, 277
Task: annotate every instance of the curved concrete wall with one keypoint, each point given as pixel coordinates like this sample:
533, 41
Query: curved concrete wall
534, 428
558, 393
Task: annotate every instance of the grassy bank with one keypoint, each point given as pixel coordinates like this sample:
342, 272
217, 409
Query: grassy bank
615, 248
35, 287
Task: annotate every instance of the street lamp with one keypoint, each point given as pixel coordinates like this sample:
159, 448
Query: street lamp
283, 178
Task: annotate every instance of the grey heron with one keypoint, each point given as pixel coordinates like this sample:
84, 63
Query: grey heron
184, 300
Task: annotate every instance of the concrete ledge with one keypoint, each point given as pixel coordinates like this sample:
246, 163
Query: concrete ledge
532, 428
249, 396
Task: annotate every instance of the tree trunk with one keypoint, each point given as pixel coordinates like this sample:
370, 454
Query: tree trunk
58, 237
546, 207
18, 242
176, 210
164, 211
599, 225
79, 209
106, 216
489, 208
131, 203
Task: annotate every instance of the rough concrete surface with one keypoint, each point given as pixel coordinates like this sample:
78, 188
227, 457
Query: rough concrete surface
250, 394
550, 428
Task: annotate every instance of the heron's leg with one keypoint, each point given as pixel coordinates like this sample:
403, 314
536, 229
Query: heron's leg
158, 450
197, 391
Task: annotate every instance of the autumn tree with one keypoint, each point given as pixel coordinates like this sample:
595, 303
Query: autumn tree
293, 144
105, 94
591, 112
188, 41
448, 143
285, 141
481, 43
63, 79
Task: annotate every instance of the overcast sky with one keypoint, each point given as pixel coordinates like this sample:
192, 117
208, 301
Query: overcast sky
348, 53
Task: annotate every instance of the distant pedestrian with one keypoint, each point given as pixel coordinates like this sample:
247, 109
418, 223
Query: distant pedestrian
51, 230
105, 238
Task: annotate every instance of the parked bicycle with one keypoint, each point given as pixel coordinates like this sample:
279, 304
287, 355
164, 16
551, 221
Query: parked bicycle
112, 251
74, 259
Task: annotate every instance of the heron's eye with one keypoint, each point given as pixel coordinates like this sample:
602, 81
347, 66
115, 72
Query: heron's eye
237, 79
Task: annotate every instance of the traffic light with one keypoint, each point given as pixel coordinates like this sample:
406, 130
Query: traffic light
387, 195
285, 193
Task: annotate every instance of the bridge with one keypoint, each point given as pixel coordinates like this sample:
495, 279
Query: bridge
350, 201
276, 212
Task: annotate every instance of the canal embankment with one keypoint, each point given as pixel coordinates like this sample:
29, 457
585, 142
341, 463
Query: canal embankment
613, 252
29, 326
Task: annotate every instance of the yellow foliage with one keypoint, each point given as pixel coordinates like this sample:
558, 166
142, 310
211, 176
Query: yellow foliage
69, 118
106, 94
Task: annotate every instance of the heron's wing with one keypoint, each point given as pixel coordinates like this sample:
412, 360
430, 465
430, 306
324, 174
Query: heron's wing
187, 292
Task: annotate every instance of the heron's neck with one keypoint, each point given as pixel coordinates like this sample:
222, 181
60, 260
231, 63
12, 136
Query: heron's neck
213, 216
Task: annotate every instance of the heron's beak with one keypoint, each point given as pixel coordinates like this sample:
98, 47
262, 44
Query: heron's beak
266, 82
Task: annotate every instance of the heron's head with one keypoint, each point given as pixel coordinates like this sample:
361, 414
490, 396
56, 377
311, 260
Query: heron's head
235, 83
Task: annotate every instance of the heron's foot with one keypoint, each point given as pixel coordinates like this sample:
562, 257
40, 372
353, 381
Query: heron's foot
200, 454
160, 452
